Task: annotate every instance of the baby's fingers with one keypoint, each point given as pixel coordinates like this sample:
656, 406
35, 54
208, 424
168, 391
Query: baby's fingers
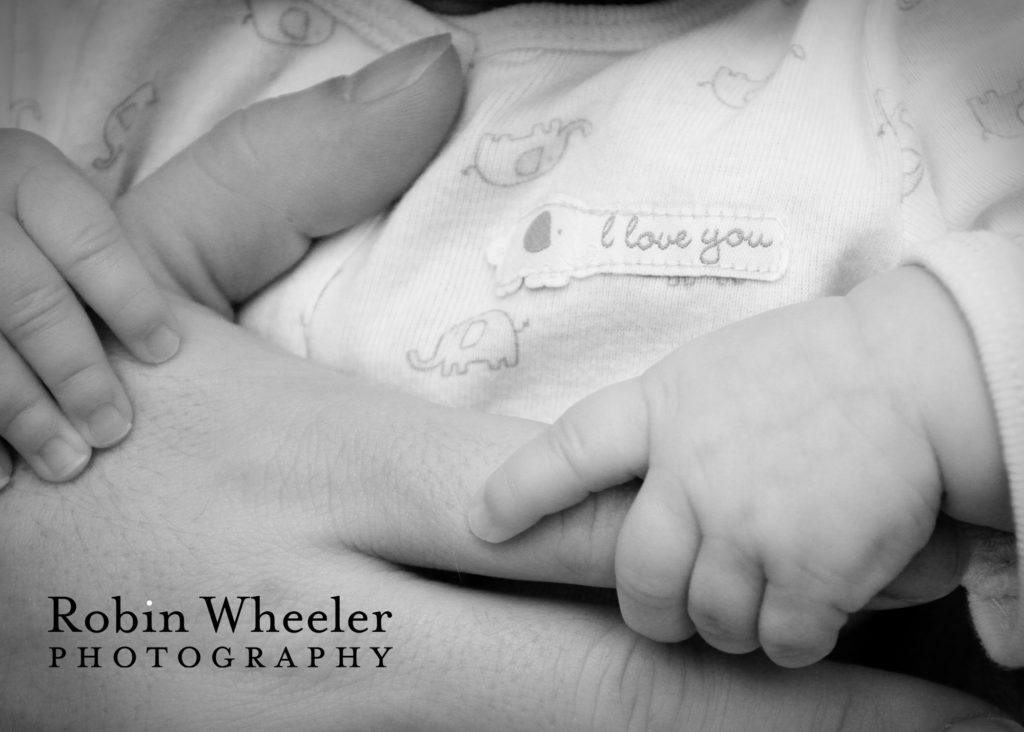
33, 426
600, 442
654, 560
798, 629
76, 229
47, 331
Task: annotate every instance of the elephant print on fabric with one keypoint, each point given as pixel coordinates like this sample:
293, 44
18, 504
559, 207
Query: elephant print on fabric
506, 160
735, 88
895, 123
120, 122
1001, 115
490, 338
290, 22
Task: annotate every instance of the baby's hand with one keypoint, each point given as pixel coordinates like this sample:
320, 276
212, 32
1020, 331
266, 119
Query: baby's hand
58, 395
785, 483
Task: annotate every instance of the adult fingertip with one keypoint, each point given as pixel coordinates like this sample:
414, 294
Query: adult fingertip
985, 724
397, 70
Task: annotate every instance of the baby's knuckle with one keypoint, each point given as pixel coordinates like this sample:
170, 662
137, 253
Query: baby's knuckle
788, 651
92, 242
81, 383
135, 308
715, 625
37, 309
648, 589
569, 445
20, 417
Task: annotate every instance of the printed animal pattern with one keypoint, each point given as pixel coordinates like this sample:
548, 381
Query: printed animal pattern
290, 22
490, 338
120, 122
507, 160
998, 114
895, 123
736, 89
26, 114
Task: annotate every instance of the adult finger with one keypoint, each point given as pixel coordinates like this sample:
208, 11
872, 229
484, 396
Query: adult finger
570, 668
76, 229
276, 174
600, 442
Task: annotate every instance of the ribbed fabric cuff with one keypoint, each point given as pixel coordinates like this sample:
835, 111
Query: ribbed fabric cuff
984, 273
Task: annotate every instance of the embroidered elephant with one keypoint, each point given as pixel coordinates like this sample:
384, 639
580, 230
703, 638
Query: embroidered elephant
1000, 114
505, 160
120, 122
291, 22
490, 338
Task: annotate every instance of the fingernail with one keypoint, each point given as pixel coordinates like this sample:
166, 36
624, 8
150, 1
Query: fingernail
985, 724
107, 426
61, 459
398, 70
483, 527
161, 344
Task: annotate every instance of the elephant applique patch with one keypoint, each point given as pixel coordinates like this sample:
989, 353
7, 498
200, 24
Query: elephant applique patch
567, 239
490, 339
510, 160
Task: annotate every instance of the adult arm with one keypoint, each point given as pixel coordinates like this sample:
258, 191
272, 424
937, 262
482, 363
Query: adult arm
254, 473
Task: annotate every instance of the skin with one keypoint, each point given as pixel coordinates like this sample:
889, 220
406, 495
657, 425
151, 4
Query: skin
253, 472
315, 501
793, 464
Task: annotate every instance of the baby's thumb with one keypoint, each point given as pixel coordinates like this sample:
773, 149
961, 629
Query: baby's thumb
600, 442
269, 178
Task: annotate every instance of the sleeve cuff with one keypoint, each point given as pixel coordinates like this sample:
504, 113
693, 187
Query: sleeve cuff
984, 272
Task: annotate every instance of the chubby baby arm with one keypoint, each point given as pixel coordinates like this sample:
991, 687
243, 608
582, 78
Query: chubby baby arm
793, 464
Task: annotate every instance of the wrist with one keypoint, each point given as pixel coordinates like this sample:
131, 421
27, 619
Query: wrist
926, 354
